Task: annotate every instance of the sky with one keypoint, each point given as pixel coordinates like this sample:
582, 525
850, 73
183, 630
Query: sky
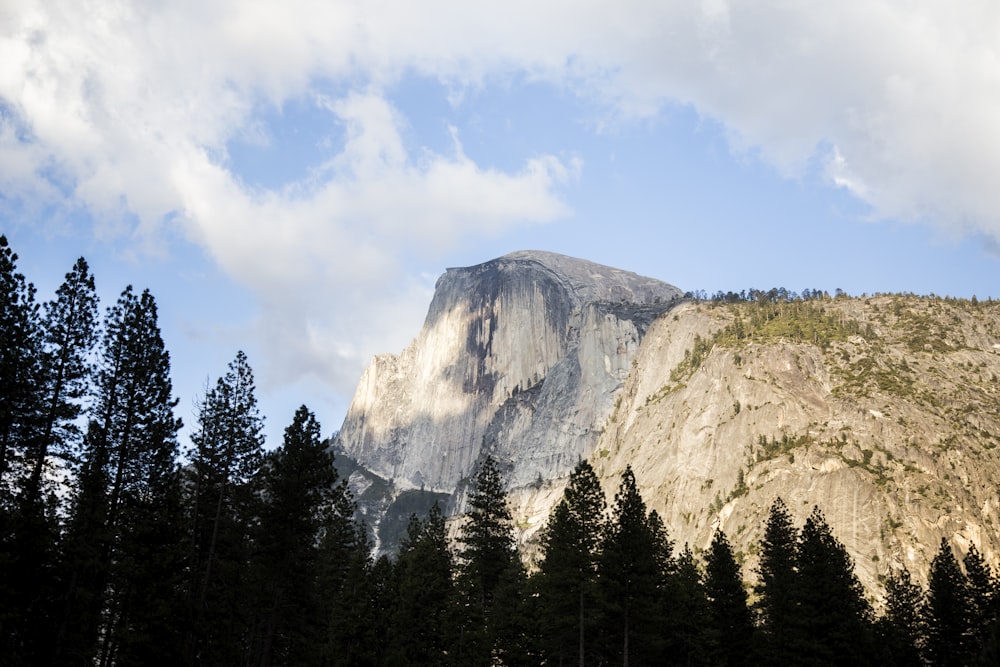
290, 179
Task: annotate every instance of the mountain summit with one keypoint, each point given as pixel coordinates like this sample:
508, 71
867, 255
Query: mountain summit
519, 357
884, 411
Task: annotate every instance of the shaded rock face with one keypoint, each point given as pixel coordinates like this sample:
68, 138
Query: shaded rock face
520, 357
883, 411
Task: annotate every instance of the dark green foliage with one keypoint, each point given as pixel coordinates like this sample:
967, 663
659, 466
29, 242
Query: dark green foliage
66, 336
632, 571
20, 374
128, 473
900, 630
686, 613
984, 597
225, 456
487, 564
568, 571
424, 571
947, 611
832, 623
729, 626
776, 587
298, 485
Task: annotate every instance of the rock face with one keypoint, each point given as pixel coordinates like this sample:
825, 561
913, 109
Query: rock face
883, 411
520, 357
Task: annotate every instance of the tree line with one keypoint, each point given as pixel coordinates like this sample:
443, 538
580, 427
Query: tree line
120, 547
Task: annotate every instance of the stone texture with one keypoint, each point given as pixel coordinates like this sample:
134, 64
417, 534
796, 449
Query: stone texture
519, 357
541, 360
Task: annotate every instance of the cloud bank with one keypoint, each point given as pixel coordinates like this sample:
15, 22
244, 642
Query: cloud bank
125, 109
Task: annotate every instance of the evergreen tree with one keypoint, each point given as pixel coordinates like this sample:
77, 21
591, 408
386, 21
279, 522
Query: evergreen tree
635, 555
225, 457
568, 570
983, 597
20, 373
487, 556
344, 562
833, 619
355, 629
947, 612
298, 485
686, 613
129, 474
775, 588
424, 571
900, 629
730, 626
68, 333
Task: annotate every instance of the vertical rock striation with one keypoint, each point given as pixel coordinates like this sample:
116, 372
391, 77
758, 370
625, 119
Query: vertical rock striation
520, 357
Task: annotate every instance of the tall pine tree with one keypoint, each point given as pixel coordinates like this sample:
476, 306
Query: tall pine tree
730, 626
947, 612
487, 558
775, 588
129, 476
567, 577
298, 488
634, 563
424, 567
833, 618
900, 630
225, 457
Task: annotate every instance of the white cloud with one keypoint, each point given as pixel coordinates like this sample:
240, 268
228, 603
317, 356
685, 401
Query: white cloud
130, 105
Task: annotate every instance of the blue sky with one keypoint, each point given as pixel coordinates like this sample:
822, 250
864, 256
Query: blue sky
290, 178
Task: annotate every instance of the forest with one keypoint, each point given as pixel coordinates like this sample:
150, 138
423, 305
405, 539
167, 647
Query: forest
120, 546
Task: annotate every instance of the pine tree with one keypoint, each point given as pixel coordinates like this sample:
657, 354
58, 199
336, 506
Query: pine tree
833, 619
69, 335
424, 572
128, 474
635, 557
487, 555
298, 488
775, 588
686, 613
20, 374
343, 565
568, 570
225, 457
730, 626
983, 596
947, 611
66, 337
900, 630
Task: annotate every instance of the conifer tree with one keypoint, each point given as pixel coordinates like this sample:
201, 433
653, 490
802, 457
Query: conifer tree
129, 471
833, 618
900, 630
20, 391
729, 625
66, 337
983, 597
298, 488
568, 570
635, 555
226, 453
947, 611
686, 613
487, 556
424, 572
775, 587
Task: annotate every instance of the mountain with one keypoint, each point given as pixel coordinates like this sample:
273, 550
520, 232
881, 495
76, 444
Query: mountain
883, 411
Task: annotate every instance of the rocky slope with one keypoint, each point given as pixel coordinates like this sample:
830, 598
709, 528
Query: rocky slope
884, 411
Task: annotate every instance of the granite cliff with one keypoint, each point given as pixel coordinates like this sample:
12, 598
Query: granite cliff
884, 411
